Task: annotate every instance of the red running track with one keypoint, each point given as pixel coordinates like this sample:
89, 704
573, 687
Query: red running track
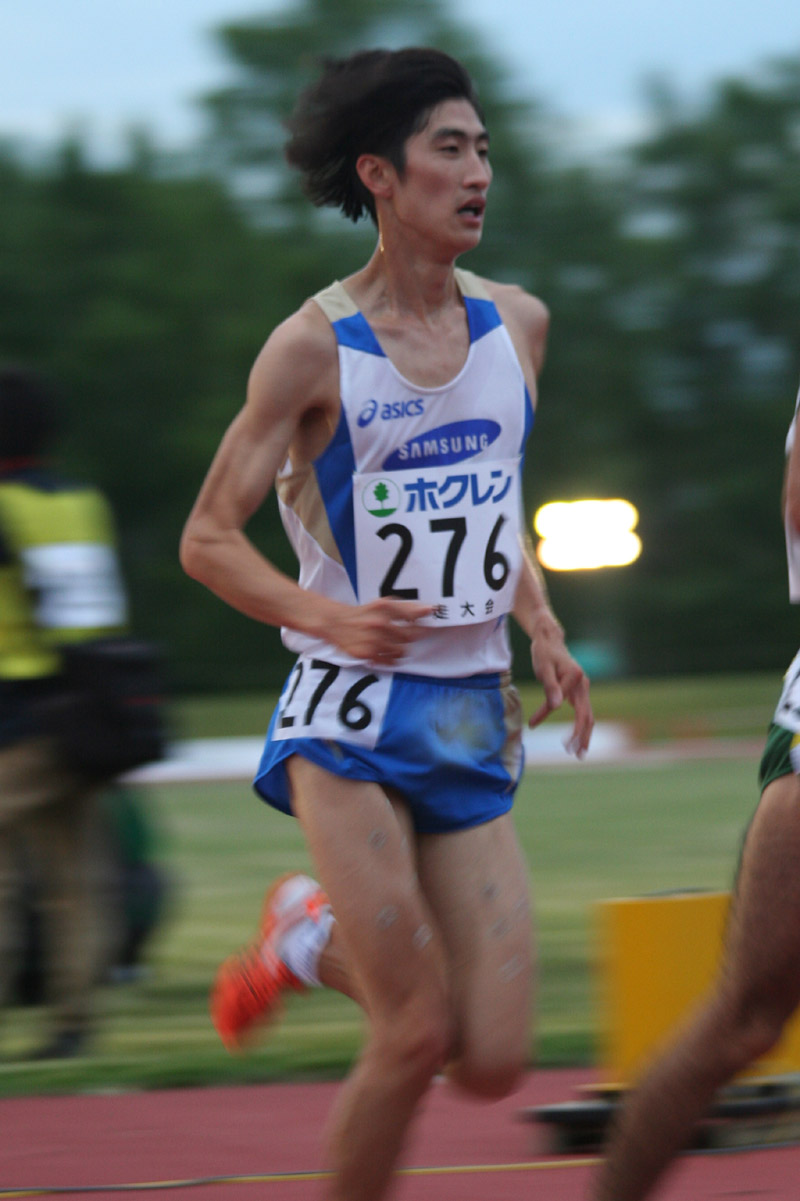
265, 1143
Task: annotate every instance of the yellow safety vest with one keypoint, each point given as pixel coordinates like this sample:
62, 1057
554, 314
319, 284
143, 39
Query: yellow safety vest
60, 580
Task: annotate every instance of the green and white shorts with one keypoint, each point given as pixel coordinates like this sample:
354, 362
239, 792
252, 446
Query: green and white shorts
781, 755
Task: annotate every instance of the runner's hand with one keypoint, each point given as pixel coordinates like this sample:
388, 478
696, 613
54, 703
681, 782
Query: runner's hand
380, 631
562, 679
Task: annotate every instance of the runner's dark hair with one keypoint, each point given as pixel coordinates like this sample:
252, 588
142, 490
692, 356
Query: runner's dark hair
369, 103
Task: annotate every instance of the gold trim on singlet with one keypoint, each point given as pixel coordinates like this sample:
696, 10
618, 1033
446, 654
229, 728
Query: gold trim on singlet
337, 303
299, 491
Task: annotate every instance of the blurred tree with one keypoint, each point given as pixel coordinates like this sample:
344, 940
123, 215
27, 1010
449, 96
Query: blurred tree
715, 211
143, 297
274, 57
672, 276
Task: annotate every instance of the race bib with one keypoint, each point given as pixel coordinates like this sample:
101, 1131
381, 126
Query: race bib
446, 536
324, 700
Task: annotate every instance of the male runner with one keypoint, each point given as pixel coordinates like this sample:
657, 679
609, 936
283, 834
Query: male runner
391, 414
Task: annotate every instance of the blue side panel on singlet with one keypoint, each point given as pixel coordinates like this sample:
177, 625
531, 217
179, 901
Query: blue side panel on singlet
355, 332
530, 417
334, 470
482, 316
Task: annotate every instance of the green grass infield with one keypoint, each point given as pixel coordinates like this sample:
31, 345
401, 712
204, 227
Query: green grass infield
590, 832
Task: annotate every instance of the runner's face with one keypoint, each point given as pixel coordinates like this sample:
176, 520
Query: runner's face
442, 193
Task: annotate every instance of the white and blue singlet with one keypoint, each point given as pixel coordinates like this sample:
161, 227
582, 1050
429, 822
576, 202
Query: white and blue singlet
417, 496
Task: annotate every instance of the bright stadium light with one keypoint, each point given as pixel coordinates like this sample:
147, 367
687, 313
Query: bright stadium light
581, 535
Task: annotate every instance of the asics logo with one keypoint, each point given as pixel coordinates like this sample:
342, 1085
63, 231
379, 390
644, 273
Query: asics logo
446, 444
390, 411
367, 413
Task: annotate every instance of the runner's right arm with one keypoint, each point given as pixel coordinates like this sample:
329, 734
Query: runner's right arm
292, 397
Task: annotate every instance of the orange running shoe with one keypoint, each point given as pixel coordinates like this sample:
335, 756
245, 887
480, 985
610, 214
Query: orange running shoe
249, 986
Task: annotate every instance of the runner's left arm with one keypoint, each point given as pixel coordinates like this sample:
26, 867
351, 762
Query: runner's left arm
527, 320
561, 677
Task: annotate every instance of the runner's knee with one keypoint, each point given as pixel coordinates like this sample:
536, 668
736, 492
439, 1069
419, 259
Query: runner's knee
416, 1043
751, 1026
759, 1030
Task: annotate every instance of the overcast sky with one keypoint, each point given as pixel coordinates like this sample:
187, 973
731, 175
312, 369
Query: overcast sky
110, 64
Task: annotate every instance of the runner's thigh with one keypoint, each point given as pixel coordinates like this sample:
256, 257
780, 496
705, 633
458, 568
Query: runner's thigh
477, 884
365, 859
762, 962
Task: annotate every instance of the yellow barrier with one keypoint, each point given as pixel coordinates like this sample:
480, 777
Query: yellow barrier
657, 956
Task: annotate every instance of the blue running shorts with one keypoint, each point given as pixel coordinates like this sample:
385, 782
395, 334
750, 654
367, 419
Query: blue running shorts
451, 747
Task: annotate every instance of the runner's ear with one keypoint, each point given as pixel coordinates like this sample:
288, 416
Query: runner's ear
376, 174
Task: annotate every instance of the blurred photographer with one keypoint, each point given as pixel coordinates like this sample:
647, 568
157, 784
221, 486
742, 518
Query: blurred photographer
61, 589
